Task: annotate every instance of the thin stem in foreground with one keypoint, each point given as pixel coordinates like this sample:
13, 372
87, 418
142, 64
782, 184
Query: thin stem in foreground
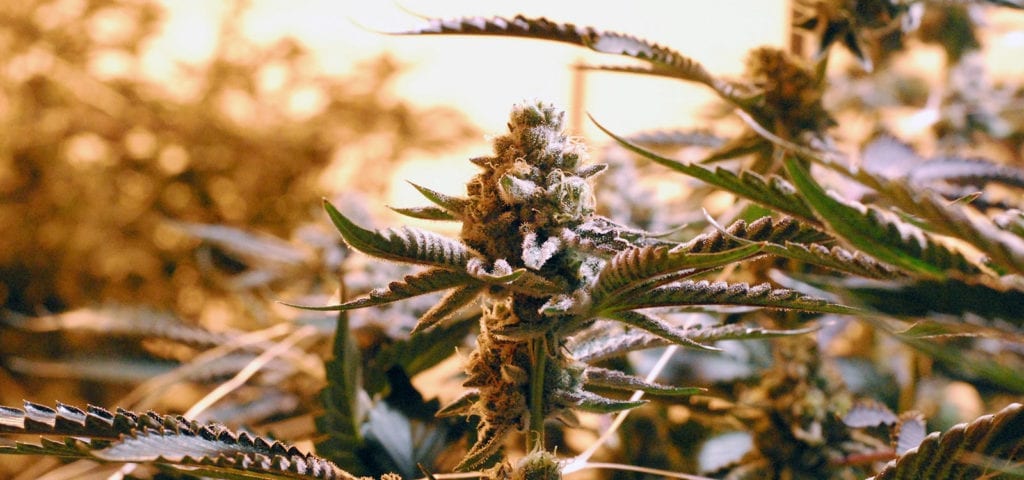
538, 352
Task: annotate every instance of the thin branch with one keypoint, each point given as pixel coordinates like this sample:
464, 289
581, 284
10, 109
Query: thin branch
580, 462
251, 369
651, 471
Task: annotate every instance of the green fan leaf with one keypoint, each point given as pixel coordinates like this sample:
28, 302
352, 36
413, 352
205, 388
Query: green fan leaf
172, 441
341, 418
429, 281
447, 306
616, 380
974, 364
642, 268
1002, 248
405, 244
603, 346
926, 298
871, 231
966, 451
691, 293
455, 206
775, 193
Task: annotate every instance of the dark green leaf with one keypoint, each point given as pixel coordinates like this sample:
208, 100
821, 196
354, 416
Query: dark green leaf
642, 268
774, 193
973, 364
922, 299
835, 258
405, 244
447, 306
1003, 248
340, 421
887, 239
453, 205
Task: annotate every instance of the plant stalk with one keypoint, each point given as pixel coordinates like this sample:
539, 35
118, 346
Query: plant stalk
538, 352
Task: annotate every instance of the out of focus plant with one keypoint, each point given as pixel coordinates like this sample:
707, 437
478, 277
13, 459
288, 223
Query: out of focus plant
99, 158
131, 202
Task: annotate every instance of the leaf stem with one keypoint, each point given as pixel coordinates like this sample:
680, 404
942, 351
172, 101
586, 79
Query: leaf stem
538, 352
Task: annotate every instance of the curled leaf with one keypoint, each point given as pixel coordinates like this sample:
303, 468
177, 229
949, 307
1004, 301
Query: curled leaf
869, 413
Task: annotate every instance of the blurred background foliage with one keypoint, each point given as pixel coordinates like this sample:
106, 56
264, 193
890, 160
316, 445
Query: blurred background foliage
117, 185
98, 161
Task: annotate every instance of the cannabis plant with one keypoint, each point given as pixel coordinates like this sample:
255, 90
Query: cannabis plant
897, 255
545, 267
906, 232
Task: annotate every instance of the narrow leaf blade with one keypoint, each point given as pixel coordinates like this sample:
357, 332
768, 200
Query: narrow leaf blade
429, 281
636, 267
614, 379
454, 206
405, 244
888, 240
691, 293
447, 306
775, 193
